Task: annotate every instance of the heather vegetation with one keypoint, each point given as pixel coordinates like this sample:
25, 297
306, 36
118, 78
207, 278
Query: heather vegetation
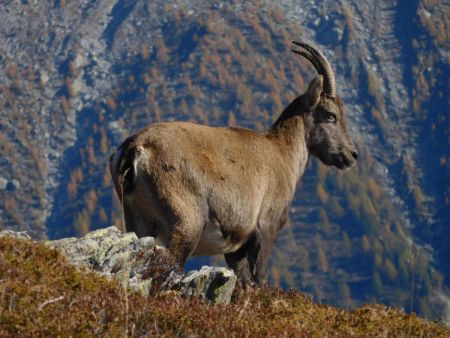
42, 295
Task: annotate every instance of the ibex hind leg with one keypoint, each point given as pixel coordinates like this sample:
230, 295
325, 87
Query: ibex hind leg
182, 225
180, 244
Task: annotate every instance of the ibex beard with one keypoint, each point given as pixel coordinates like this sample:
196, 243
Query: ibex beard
204, 191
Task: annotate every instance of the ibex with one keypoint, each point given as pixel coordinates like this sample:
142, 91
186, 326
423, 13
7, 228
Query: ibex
204, 191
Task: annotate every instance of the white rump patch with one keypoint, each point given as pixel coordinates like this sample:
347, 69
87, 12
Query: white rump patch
142, 158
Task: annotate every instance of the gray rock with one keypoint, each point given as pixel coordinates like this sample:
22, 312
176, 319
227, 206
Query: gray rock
124, 257
111, 253
15, 234
213, 283
3, 183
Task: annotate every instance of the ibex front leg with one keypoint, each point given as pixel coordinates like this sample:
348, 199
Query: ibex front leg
259, 249
239, 263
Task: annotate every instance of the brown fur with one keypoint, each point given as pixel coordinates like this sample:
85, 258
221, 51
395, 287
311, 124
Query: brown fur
203, 190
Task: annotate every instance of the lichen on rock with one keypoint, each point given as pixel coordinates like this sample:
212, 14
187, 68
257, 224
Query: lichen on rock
213, 283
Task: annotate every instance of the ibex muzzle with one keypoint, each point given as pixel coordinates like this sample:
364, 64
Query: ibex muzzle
204, 191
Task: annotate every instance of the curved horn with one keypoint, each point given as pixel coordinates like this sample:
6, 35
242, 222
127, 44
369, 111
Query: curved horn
307, 55
325, 67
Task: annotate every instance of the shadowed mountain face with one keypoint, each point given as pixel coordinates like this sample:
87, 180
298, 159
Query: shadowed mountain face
78, 77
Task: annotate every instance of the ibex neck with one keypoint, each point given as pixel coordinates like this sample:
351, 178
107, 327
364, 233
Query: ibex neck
290, 126
289, 132
294, 109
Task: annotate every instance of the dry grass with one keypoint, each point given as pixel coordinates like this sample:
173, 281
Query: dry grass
42, 295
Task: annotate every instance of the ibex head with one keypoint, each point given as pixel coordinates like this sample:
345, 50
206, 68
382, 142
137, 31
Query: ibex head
326, 132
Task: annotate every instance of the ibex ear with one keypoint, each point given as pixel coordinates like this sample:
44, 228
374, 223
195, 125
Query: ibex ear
313, 92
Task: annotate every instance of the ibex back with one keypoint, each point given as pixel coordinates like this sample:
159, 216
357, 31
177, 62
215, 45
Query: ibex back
203, 191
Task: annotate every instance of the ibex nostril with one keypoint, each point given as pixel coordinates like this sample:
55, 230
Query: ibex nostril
355, 155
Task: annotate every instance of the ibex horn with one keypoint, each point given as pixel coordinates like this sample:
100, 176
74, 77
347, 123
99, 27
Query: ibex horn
321, 64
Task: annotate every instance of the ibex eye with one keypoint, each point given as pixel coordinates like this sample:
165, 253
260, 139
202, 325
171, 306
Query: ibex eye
331, 117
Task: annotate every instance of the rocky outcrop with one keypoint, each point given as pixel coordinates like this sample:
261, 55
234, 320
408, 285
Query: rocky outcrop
124, 257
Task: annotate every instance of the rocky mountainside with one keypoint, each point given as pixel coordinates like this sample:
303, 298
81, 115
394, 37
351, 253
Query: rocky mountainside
77, 77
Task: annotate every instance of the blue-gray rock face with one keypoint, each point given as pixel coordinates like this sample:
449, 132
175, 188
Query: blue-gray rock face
123, 256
